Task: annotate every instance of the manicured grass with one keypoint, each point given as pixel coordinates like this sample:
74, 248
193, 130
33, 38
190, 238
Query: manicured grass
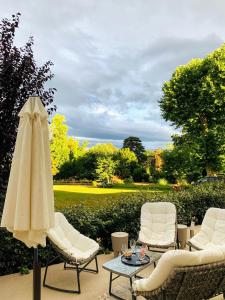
69, 195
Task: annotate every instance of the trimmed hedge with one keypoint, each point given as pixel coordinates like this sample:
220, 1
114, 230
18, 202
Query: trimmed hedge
119, 215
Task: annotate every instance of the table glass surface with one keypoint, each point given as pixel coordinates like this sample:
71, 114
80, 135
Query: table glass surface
116, 266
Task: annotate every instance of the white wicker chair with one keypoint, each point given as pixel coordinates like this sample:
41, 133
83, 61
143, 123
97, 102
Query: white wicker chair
212, 232
184, 275
158, 225
73, 248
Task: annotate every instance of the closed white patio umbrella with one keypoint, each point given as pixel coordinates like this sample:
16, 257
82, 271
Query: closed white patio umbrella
29, 205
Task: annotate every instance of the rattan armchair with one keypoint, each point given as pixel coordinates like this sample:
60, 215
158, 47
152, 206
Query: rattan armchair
158, 225
74, 249
190, 283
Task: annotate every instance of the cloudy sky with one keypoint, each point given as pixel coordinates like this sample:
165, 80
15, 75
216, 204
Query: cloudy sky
111, 58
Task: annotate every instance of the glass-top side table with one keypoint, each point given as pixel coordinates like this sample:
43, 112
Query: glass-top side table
115, 266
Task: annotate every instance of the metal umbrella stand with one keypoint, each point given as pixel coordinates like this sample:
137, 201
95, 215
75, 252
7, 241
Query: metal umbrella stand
36, 276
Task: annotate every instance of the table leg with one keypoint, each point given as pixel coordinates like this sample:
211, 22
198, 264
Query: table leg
110, 286
131, 282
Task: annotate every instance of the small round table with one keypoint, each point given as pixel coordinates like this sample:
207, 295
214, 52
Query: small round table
118, 239
181, 235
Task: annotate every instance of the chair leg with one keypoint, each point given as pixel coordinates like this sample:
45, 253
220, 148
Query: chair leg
96, 263
77, 269
78, 280
78, 291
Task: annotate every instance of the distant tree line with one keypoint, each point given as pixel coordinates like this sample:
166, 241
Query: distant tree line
106, 164
102, 162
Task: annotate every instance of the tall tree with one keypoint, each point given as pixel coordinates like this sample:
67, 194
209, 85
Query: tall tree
20, 77
59, 142
135, 145
150, 156
76, 149
126, 160
194, 100
182, 161
105, 170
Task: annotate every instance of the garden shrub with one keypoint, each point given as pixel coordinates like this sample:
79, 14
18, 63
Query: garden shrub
117, 180
162, 181
15, 256
120, 215
95, 183
128, 180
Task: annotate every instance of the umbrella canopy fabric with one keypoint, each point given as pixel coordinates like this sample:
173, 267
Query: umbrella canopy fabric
29, 205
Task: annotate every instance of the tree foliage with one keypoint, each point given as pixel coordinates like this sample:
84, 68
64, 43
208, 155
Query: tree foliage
105, 170
107, 149
182, 161
194, 100
20, 77
76, 149
64, 149
135, 145
126, 161
59, 142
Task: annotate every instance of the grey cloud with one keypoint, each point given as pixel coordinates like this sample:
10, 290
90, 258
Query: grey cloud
112, 57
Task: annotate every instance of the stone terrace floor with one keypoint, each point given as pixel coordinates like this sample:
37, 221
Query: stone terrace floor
94, 286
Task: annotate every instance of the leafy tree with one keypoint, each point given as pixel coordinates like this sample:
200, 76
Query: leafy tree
103, 149
59, 142
139, 174
126, 159
149, 155
105, 170
194, 100
20, 77
182, 161
135, 145
84, 166
65, 150
76, 149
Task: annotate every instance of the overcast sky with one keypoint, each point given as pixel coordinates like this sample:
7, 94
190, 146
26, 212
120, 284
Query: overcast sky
111, 58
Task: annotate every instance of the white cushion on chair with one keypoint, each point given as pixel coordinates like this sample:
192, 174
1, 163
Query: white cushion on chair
158, 221
177, 258
68, 239
212, 232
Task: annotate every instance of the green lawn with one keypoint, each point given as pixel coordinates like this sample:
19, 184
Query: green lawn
67, 195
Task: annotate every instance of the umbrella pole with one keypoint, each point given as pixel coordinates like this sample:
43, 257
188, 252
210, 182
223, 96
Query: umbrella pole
36, 277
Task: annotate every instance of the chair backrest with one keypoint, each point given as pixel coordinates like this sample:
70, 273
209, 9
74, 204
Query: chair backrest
212, 232
62, 232
158, 220
213, 226
65, 236
181, 274
196, 282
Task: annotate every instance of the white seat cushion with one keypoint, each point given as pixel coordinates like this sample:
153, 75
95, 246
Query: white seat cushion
212, 233
177, 258
68, 239
158, 223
